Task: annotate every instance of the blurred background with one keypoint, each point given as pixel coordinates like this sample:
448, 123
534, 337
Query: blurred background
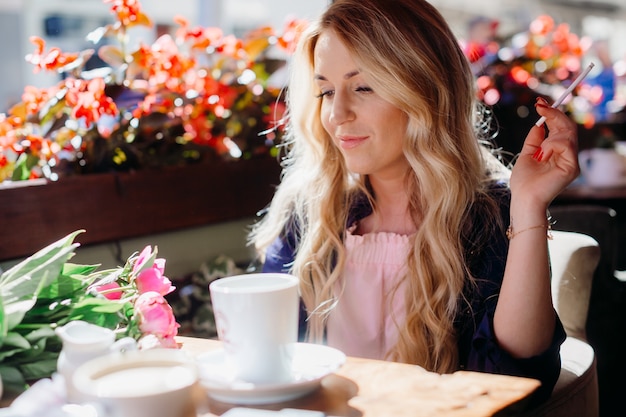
64, 23
519, 49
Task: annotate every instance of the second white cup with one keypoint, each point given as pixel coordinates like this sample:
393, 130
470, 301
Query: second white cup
257, 321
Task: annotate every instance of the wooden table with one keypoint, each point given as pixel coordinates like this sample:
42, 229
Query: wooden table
372, 388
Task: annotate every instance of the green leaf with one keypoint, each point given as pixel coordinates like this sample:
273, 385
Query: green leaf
71, 269
40, 333
95, 302
39, 257
8, 353
45, 313
99, 311
110, 321
64, 287
55, 106
16, 340
45, 349
38, 270
108, 308
12, 379
20, 284
104, 277
24, 164
39, 369
14, 313
40, 350
32, 361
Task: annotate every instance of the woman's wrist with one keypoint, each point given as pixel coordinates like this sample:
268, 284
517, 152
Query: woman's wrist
527, 207
526, 216
546, 228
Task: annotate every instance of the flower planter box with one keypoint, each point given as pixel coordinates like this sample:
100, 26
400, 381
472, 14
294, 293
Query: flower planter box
117, 206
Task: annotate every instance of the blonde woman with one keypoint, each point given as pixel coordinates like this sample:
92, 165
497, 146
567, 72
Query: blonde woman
395, 216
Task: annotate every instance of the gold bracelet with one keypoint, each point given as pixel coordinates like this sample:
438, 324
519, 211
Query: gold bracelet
510, 234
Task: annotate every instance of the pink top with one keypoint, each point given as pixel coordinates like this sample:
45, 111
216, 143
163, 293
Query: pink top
365, 321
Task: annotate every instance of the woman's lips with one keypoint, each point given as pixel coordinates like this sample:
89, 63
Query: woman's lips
349, 142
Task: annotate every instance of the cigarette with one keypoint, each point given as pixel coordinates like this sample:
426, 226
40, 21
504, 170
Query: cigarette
566, 93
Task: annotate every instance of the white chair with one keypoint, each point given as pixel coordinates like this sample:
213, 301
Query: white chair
573, 258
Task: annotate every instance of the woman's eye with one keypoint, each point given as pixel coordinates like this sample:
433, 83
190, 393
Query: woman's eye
325, 94
329, 93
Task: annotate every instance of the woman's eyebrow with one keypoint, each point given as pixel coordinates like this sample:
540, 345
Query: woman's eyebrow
346, 76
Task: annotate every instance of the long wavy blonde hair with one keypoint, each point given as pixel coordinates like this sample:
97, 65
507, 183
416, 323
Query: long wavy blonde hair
414, 62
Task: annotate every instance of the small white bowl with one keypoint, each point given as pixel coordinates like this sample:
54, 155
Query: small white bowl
155, 382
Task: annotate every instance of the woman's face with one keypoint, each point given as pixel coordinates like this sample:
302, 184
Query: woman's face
368, 130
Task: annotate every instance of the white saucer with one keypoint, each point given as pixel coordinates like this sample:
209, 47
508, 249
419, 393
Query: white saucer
311, 363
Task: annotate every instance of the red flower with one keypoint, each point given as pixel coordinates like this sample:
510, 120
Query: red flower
199, 88
128, 12
89, 101
50, 61
291, 33
201, 38
35, 98
231, 46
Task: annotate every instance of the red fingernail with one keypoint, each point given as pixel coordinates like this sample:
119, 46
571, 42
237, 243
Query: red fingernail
538, 155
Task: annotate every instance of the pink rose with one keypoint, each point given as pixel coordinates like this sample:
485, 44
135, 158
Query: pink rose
155, 315
142, 258
159, 263
106, 290
152, 279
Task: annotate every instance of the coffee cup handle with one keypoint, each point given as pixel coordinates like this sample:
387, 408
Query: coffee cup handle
124, 344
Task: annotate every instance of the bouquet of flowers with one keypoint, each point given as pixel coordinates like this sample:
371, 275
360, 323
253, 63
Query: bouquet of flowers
141, 286
193, 96
46, 291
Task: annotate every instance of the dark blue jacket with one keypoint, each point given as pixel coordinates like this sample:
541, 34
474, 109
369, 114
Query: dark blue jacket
478, 349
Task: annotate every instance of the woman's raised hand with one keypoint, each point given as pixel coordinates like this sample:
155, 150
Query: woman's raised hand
546, 164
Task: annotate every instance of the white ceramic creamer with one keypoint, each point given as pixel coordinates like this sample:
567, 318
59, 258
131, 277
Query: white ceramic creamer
82, 342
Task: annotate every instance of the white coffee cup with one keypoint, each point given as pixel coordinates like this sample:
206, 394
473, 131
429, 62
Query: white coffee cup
155, 382
257, 320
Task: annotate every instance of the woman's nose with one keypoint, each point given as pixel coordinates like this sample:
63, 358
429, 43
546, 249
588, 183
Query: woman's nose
341, 110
